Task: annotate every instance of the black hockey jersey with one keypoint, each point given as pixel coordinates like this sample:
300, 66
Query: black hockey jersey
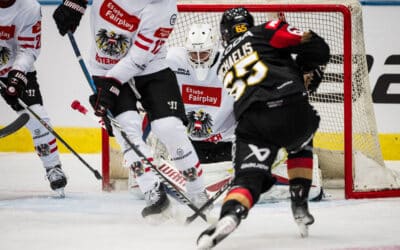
259, 66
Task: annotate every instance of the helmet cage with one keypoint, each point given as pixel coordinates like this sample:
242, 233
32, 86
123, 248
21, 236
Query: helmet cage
201, 45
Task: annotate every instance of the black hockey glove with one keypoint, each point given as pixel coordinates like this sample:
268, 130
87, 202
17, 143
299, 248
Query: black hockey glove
313, 78
107, 93
68, 15
16, 84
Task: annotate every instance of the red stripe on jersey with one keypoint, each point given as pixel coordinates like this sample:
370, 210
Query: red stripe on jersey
146, 39
52, 142
144, 47
25, 38
286, 36
147, 169
200, 173
25, 46
299, 162
197, 165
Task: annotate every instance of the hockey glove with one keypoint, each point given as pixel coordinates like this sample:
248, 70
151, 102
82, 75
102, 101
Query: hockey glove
313, 79
68, 15
16, 84
107, 92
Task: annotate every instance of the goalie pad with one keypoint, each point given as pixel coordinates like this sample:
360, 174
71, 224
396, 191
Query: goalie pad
217, 174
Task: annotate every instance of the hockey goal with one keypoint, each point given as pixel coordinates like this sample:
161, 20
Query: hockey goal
347, 141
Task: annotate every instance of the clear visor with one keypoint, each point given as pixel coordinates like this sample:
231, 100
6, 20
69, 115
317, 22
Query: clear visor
200, 57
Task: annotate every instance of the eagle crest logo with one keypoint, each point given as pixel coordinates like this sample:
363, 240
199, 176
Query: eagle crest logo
4, 55
200, 124
111, 43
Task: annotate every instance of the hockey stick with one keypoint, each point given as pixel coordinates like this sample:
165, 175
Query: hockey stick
48, 127
15, 125
209, 202
181, 196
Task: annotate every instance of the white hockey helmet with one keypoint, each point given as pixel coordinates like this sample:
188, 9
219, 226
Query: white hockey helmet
202, 46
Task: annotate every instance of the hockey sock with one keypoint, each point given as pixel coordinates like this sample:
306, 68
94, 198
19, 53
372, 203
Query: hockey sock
45, 143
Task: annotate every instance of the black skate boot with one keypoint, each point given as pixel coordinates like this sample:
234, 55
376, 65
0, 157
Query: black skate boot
157, 202
224, 227
57, 179
299, 204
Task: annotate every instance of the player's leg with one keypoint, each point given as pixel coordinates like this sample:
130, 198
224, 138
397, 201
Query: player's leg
163, 103
300, 161
252, 162
157, 202
44, 142
300, 171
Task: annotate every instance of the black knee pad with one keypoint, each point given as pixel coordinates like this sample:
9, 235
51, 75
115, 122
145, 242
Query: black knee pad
234, 207
257, 182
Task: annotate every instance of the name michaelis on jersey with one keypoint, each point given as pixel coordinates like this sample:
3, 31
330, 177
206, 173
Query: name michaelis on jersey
236, 55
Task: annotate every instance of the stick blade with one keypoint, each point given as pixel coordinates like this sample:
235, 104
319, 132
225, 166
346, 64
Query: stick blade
15, 125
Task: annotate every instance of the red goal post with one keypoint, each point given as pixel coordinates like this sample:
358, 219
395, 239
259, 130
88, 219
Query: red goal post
347, 141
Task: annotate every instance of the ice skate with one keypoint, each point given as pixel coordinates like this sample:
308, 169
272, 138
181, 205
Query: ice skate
217, 232
158, 206
299, 205
57, 180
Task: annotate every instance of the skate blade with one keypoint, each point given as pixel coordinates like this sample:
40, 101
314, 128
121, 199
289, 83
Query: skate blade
60, 193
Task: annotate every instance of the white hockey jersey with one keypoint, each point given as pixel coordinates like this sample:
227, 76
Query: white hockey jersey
129, 36
208, 106
20, 34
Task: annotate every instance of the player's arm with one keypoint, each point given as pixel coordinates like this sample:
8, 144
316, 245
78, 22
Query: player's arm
29, 41
312, 51
312, 55
150, 40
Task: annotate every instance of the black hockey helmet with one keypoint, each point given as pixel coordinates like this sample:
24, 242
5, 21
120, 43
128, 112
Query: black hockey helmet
235, 22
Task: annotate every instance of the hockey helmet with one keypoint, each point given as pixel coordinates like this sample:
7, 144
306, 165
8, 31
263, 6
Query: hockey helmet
202, 46
234, 23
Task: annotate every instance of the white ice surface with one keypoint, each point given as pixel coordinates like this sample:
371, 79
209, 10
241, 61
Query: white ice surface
30, 218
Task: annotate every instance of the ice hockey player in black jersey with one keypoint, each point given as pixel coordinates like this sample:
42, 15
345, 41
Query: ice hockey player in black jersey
263, 68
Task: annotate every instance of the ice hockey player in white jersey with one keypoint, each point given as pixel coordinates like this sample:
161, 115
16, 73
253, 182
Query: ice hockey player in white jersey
128, 52
20, 33
208, 107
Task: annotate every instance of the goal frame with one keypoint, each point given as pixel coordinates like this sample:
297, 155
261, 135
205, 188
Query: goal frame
350, 193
